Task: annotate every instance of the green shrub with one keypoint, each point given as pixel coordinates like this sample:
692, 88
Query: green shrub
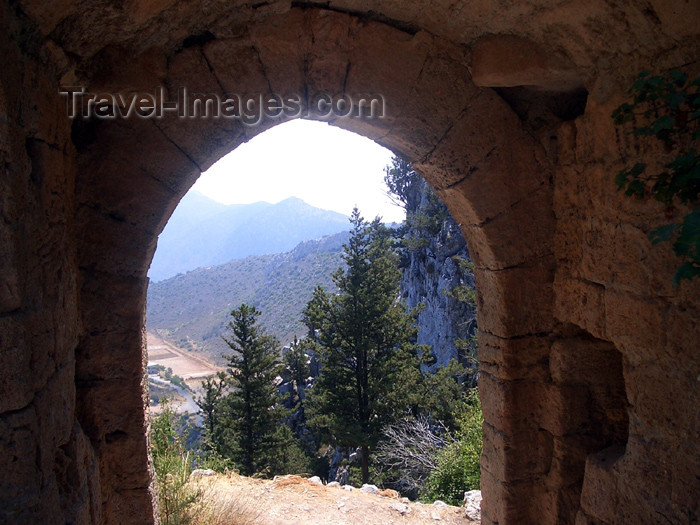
172, 467
288, 456
458, 463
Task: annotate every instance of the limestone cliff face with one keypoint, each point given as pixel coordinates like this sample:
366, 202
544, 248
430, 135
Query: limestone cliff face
431, 271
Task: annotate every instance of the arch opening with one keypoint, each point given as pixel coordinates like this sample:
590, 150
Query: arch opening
446, 244
503, 218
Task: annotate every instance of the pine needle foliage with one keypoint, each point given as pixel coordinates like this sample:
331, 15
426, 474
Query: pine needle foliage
365, 342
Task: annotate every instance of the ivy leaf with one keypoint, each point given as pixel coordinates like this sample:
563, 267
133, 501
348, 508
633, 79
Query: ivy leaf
661, 124
667, 108
688, 241
621, 179
675, 100
678, 77
686, 271
692, 221
662, 233
636, 187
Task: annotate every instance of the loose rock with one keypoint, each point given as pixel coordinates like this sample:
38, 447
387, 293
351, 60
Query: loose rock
371, 489
472, 504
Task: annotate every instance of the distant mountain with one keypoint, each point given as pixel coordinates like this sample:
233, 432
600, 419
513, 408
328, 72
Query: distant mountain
192, 310
203, 232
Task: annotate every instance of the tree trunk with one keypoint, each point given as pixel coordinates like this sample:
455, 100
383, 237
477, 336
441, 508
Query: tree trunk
365, 463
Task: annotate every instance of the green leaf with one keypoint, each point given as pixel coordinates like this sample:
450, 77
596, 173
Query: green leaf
679, 78
621, 179
663, 233
688, 271
692, 221
663, 123
640, 83
675, 100
636, 187
668, 108
643, 132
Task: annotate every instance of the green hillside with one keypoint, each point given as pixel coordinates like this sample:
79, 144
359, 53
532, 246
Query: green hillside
192, 309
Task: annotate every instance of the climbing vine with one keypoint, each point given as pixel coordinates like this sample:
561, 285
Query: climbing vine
667, 108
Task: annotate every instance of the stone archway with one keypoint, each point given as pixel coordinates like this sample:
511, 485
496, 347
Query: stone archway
573, 306
433, 112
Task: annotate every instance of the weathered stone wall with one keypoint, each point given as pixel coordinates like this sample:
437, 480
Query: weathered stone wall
47, 463
612, 284
589, 357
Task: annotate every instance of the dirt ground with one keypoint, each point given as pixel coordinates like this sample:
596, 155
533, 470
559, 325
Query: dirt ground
292, 500
184, 364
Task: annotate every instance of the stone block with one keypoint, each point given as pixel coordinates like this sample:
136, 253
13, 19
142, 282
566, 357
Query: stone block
140, 177
577, 361
522, 455
110, 407
565, 409
510, 359
522, 234
126, 297
78, 479
509, 60
494, 169
581, 303
126, 250
10, 286
503, 502
424, 116
236, 65
569, 460
16, 381
635, 324
203, 139
515, 302
599, 498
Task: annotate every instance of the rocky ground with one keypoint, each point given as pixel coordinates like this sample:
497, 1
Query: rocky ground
295, 500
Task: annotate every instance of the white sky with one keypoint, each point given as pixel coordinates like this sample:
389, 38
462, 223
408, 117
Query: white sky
326, 167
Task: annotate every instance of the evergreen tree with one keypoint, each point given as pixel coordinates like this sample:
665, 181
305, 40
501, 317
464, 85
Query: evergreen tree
297, 362
211, 405
364, 343
252, 409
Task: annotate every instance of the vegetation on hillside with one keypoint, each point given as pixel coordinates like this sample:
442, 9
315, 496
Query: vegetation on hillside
193, 309
457, 465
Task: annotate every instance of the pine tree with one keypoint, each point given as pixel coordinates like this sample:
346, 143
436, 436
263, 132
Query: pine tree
297, 362
252, 408
364, 343
211, 405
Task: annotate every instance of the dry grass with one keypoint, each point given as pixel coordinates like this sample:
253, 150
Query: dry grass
289, 479
224, 504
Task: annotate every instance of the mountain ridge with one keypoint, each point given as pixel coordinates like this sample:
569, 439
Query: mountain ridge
204, 233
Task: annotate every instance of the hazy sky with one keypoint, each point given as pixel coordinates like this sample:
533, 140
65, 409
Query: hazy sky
326, 167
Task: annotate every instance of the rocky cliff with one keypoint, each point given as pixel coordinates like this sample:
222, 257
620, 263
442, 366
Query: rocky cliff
435, 273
